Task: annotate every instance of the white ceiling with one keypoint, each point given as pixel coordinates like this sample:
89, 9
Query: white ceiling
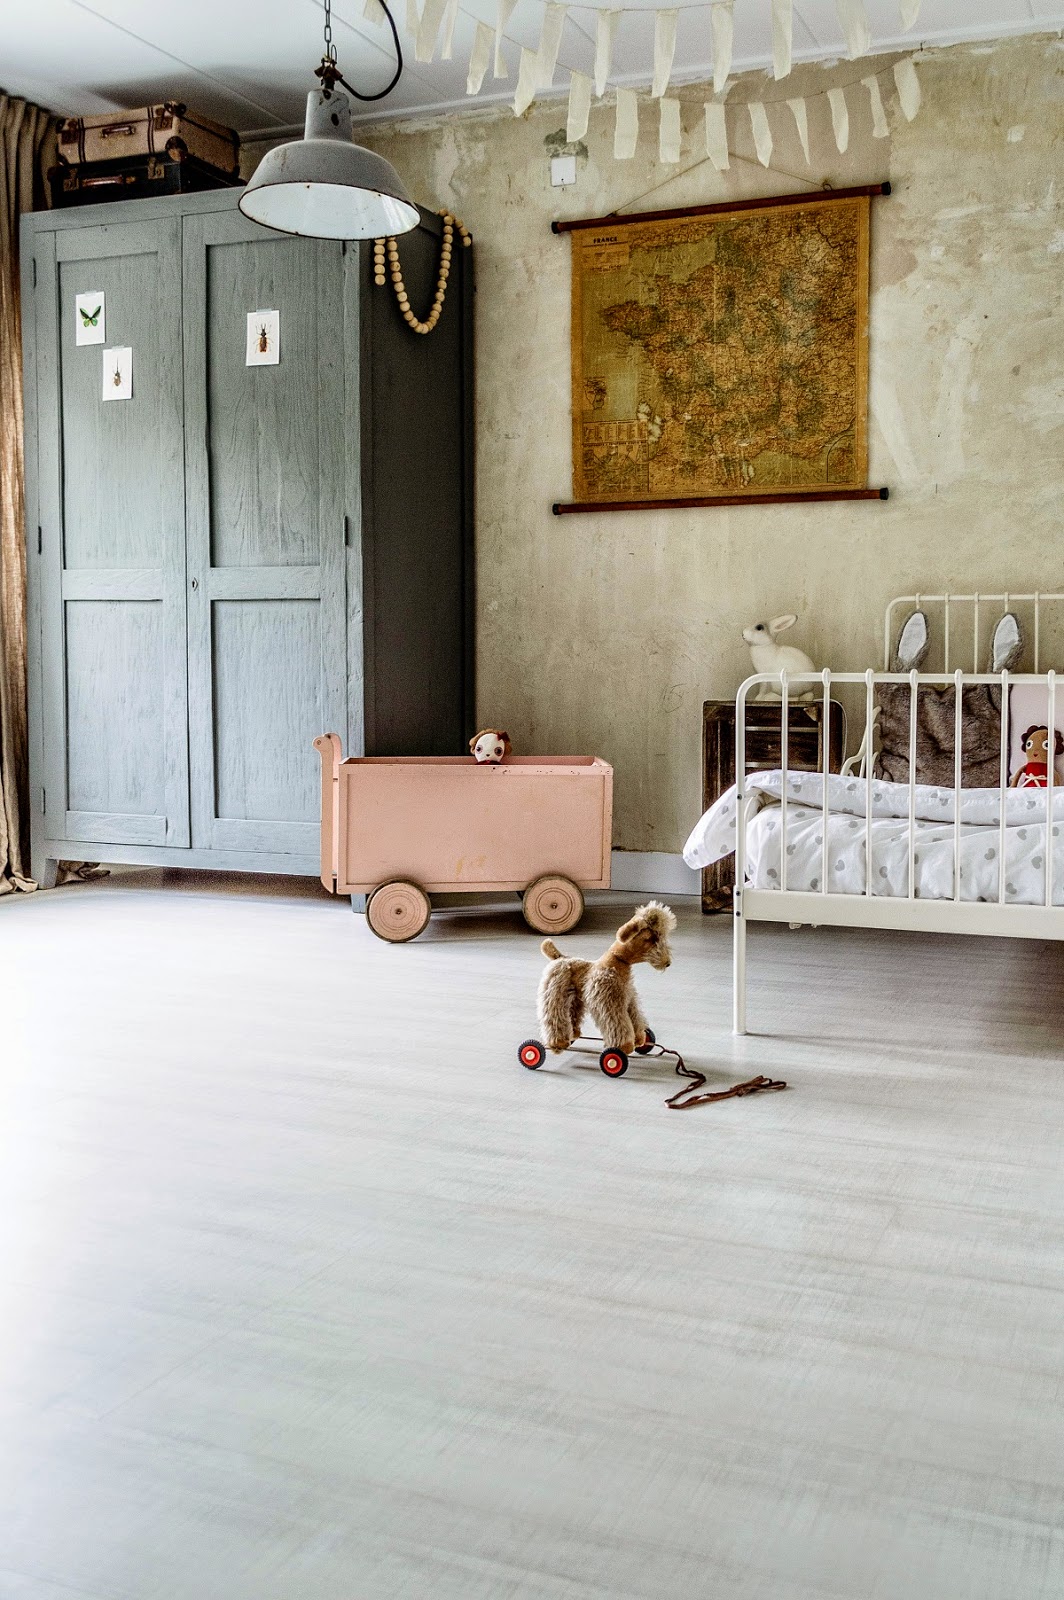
249, 63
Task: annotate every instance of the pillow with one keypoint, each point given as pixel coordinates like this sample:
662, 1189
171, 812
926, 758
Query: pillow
980, 735
1028, 712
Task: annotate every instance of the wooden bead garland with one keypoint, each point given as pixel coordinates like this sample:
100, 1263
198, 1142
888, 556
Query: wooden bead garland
389, 248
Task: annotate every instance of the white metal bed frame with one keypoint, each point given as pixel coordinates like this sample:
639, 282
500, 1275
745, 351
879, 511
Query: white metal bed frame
878, 911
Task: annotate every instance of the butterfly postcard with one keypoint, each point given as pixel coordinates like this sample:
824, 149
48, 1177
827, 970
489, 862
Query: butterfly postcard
89, 318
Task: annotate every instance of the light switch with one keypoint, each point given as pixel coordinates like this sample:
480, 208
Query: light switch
562, 171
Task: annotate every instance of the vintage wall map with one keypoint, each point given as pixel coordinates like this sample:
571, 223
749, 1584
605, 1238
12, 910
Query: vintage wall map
721, 353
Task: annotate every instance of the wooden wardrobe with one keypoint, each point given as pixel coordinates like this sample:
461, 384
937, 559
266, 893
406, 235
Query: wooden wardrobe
238, 558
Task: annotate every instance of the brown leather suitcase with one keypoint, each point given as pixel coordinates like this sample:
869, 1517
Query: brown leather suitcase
166, 130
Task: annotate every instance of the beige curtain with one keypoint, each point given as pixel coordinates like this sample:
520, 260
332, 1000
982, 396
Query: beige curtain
26, 149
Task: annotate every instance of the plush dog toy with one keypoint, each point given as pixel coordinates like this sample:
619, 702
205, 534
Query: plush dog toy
491, 745
604, 987
1035, 775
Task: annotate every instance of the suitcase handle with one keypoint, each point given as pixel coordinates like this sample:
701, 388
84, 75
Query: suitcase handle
116, 130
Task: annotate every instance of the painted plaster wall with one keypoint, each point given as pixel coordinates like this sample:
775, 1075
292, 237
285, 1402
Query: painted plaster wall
605, 633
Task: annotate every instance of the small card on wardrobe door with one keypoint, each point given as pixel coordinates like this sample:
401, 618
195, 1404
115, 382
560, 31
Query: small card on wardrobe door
264, 339
89, 317
118, 373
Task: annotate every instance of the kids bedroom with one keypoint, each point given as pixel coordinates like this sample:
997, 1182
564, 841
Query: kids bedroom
532, 800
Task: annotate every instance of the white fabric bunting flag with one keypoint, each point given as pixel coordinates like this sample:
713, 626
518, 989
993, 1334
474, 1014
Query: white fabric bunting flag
373, 12
579, 106
504, 11
762, 132
669, 130
908, 88
607, 26
801, 122
626, 135
664, 50
910, 10
722, 24
840, 118
429, 30
717, 135
450, 17
879, 116
527, 80
550, 39
854, 19
782, 33
413, 18
479, 57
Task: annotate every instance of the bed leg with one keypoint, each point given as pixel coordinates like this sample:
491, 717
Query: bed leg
739, 966
358, 904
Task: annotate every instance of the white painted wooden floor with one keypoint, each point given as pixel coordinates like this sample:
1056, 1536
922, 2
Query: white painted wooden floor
309, 1292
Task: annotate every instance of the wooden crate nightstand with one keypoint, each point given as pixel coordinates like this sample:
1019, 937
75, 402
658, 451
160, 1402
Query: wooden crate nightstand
805, 742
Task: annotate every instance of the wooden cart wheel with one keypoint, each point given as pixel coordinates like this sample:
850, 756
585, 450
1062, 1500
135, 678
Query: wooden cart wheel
398, 911
553, 904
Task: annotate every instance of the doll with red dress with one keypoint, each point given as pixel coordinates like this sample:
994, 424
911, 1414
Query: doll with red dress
1035, 745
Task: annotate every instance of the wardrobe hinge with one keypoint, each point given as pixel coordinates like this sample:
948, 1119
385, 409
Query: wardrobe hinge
44, 801
40, 542
35, 272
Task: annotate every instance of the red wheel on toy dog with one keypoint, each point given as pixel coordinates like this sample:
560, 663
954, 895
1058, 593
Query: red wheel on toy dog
531, 1054
614, 1063
647, 1047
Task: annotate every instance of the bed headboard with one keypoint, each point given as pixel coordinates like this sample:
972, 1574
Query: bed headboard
962, 625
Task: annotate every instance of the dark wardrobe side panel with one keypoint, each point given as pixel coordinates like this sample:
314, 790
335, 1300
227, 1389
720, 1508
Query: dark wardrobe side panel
417, 488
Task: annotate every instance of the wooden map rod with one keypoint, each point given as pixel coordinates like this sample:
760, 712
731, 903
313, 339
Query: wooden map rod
570, 225
563, 508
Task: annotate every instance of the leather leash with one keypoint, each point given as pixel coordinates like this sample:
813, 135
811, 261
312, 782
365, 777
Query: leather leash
698, 1080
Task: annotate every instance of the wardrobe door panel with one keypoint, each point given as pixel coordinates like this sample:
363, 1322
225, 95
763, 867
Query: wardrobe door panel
266, 531
111, 486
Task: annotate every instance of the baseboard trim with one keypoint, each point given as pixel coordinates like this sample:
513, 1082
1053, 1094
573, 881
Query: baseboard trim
653, 872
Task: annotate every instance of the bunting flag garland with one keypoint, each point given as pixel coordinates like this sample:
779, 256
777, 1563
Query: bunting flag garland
840, 119
527, 81
579, 106
782, 33
717, 135
762, 132
428, 30
479, 57
664, 50
450, 17
908, 88
607, 27
549, 43
433, 24
722, 24
503, 14
801, 122
373, 12
626, 135
669, 130
413, 18
854, 19
879, 116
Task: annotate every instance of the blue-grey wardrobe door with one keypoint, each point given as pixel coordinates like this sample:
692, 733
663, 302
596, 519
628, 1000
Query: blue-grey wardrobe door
265, 457
115, 754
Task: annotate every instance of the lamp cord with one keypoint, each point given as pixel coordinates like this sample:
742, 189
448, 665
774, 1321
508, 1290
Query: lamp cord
329, 72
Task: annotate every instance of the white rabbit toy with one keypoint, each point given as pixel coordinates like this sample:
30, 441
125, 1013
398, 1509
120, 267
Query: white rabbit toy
768, 656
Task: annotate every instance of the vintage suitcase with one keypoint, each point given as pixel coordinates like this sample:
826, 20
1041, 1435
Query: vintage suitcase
140, 178
166, 130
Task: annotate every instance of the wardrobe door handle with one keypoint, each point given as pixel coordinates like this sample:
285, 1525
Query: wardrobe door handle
195, 583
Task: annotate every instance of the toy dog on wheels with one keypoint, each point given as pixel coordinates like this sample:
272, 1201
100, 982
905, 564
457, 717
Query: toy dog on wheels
604, 988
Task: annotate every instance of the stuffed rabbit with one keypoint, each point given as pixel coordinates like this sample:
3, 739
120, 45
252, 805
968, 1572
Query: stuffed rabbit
768, 656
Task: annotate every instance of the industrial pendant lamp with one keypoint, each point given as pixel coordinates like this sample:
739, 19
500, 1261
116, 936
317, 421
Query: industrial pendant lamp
323, 186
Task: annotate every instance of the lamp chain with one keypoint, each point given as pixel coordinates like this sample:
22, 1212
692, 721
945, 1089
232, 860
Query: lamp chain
389, 247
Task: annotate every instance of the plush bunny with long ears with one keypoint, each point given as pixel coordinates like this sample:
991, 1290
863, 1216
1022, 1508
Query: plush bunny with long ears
768, 656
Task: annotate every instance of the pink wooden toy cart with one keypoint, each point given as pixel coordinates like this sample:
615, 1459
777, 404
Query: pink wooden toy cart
400, 828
